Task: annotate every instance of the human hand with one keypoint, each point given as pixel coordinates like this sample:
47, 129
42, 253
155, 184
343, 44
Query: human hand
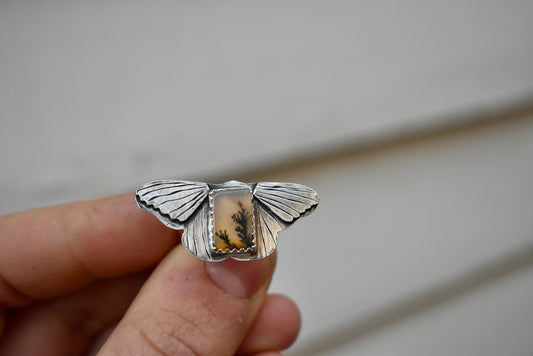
70, 273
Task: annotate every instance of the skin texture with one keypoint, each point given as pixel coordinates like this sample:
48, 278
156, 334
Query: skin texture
105, 277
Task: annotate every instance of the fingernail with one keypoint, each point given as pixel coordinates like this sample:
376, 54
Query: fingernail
241, 279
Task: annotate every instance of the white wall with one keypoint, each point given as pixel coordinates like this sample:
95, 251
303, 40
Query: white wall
98, 98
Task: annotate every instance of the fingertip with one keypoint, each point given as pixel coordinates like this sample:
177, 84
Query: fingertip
276, 326
287, 318
241, 279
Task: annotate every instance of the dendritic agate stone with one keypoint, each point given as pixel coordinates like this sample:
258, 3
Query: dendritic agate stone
232, 221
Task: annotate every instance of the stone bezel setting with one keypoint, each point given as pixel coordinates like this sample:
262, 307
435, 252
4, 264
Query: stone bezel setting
247, 193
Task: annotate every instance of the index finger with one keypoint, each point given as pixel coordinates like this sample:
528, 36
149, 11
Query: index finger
47, 252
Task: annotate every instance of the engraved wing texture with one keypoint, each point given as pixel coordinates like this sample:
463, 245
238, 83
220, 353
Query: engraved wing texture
267, 228
196, 236
288, 201
278, 205
172, 199
192, 206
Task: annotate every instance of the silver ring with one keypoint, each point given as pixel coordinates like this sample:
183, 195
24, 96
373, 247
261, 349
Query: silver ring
233, 219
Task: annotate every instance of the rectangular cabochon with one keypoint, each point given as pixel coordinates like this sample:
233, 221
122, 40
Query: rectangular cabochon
232, 220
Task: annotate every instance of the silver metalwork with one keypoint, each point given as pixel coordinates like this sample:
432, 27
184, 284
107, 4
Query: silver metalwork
253, 212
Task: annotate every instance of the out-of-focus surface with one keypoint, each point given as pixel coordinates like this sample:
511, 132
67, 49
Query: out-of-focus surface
412, 231
412, 119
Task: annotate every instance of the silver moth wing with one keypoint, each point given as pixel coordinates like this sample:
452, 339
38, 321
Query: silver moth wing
180, 205
277, 206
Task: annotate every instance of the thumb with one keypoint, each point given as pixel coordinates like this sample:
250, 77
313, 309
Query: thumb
188, 306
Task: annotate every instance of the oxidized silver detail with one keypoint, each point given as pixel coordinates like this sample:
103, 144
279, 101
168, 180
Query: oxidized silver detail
191, 206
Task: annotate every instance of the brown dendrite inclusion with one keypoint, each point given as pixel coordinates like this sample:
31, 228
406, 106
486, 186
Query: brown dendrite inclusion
232, 224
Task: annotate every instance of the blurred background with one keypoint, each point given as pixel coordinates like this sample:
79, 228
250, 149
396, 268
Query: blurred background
412, 119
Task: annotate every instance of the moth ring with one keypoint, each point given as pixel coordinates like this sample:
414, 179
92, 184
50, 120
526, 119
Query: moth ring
233, 219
